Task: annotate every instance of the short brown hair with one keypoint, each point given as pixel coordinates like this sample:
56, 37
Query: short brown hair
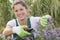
22, 3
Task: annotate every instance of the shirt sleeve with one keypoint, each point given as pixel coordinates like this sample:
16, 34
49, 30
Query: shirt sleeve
10, 23
37, 20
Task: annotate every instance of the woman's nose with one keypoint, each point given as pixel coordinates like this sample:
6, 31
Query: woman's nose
19, 12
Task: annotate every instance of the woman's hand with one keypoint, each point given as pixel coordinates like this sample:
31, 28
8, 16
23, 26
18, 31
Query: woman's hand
45, 19
20, 31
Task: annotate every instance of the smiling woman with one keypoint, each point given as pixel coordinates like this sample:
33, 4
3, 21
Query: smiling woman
14, 26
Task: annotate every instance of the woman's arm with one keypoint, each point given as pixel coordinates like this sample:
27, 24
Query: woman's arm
8, 30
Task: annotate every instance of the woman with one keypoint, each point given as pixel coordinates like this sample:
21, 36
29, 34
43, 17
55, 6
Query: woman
21, 12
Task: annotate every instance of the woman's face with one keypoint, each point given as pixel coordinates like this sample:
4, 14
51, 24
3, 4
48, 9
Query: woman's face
20, 11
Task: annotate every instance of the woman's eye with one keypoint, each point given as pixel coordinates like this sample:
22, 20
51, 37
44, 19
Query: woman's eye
16, 10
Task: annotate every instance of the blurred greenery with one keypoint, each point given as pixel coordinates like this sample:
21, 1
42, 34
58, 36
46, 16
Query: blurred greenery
44, 7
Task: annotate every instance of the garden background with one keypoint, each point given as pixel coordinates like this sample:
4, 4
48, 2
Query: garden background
36, 8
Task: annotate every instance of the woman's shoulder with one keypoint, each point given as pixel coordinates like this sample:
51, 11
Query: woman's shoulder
11, 22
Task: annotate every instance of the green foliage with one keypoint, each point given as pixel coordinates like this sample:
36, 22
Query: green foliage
43, 7
5, 12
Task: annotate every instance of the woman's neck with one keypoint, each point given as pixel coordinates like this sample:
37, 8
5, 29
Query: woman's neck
23, 21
